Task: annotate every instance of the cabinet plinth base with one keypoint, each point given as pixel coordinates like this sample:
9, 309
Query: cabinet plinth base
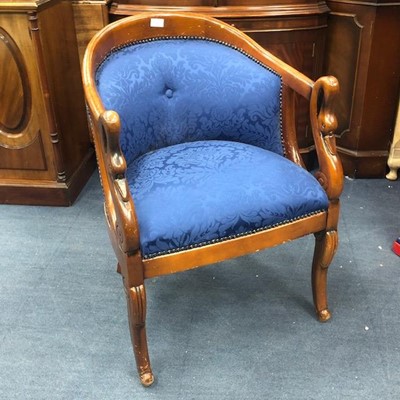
48, 193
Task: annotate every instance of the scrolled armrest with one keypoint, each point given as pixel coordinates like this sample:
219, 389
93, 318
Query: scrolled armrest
119, 203
324, 124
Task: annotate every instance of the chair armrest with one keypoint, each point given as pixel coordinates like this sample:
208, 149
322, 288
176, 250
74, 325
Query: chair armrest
119, 205
324, 124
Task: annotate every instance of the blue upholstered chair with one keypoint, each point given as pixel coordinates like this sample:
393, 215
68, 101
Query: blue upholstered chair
193, 124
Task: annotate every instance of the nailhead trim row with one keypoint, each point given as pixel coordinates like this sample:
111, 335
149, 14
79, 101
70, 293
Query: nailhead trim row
265, 228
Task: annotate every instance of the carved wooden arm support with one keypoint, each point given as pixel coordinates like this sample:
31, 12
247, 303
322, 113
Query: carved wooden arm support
119, 204
324, 124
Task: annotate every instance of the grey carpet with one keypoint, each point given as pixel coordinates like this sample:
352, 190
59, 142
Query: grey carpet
243, 329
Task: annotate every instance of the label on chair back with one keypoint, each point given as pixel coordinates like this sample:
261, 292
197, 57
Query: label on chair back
157, 22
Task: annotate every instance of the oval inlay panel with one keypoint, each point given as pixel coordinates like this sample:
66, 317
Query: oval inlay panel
14, 87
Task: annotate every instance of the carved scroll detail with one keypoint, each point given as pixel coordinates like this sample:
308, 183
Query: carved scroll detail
322, 179
120, 206
324, 124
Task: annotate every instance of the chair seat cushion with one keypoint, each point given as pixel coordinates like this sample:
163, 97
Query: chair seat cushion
196, 193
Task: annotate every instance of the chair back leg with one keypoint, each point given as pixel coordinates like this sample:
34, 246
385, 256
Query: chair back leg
325, 247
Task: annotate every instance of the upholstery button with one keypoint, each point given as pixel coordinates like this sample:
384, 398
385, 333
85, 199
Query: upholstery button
169, 93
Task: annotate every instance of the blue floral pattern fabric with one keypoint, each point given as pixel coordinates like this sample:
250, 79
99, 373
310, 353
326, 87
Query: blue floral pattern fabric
172, 91
193, 193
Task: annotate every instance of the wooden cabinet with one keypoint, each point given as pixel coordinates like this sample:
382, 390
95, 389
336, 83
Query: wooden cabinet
294, 30
363, 52
89, 16
45, 151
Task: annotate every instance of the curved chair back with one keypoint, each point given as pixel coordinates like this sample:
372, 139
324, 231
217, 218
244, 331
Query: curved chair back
176, 90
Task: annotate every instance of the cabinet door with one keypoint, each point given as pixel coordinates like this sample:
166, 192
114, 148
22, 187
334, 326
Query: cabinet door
22, 120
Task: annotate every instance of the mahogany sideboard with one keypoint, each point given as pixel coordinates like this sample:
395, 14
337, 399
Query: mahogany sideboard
46, 155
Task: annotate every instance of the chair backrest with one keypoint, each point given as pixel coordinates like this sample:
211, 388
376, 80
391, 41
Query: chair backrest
180, 89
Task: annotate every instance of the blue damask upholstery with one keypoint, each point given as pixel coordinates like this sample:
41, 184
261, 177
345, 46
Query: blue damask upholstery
172, 91
201, 134
195, 193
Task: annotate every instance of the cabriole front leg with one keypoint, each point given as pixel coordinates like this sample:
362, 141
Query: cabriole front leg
325, 247
136, 298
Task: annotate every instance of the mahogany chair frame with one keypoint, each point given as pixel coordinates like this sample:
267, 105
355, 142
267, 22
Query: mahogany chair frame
119, 206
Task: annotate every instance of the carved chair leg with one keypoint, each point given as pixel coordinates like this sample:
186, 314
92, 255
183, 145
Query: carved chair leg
136, 298
325, 248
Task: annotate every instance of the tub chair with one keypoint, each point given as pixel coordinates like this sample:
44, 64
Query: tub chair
194, 129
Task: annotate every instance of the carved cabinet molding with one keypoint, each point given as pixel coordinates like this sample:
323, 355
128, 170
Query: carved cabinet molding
45, 151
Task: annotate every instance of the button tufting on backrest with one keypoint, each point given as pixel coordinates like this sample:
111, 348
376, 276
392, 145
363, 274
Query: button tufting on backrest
223, 95
169, 93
